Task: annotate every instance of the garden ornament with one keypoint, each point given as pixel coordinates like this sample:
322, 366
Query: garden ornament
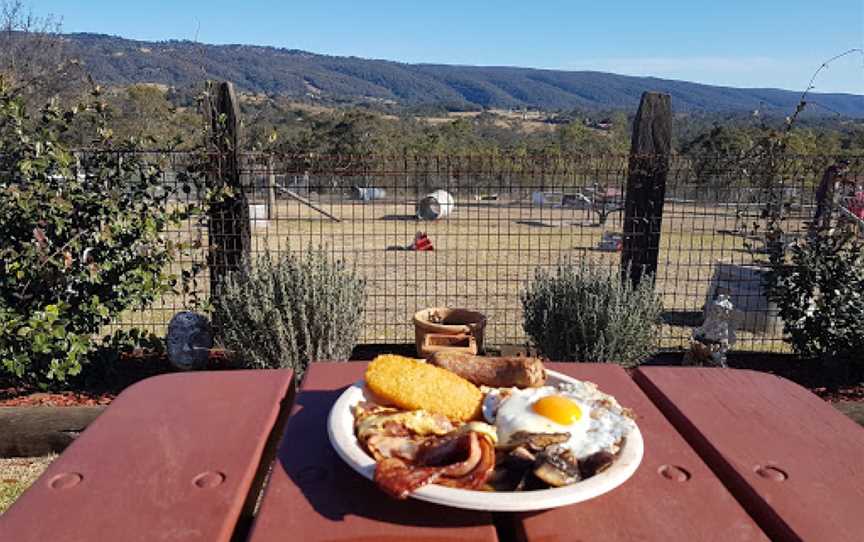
712, 341
189, 341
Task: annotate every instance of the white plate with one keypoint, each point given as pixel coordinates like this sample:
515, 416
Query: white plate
340, 428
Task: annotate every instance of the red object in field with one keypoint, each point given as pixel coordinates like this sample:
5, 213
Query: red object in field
422, 242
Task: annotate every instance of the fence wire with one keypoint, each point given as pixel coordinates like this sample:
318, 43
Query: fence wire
500, 218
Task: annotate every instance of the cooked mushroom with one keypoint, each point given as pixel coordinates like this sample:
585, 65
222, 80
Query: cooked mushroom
523, 482
557, 467
512, 469
505, 479
534, 441
595, 463
530, 482
520, 458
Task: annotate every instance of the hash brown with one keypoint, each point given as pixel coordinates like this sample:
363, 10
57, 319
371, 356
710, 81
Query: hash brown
414, 385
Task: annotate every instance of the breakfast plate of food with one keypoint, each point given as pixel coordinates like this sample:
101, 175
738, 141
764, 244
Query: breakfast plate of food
495, 434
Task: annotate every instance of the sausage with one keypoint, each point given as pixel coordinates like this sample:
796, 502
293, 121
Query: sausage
493, 372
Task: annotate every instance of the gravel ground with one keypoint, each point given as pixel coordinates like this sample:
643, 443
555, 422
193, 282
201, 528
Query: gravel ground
853, 409
17, 474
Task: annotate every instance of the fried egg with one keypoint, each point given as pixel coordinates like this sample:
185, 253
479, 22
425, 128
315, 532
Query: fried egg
594, 420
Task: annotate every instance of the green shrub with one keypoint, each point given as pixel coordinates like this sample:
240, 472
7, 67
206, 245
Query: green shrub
121, 359
820, 295
284, 313
586, 313
82, 237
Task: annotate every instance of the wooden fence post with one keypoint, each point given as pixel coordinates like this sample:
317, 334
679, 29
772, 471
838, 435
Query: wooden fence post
228, 227
646, 186
828, 195
271, 188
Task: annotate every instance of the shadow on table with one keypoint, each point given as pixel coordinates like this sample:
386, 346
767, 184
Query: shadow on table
335, 490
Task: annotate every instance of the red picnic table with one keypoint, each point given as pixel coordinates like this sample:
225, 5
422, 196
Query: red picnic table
219, 456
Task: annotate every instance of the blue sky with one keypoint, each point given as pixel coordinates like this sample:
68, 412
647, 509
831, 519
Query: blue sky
749, 44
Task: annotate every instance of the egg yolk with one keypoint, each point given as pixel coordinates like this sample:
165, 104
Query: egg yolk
558, 409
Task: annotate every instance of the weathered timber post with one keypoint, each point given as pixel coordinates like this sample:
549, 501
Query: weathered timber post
829, 195
228, 226
29, 431
271, 189
646, 185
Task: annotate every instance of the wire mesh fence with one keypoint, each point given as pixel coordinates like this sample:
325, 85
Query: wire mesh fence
489, 222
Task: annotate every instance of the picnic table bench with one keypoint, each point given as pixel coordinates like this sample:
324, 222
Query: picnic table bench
238, 456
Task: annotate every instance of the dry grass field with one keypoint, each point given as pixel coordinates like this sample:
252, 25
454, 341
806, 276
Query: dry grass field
525, 121
484, 253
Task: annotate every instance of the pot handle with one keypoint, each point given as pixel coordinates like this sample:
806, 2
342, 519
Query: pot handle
446, 341
470, 329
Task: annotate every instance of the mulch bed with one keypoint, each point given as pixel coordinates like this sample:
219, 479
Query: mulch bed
100, 388
15, 397
843, 393
831, 383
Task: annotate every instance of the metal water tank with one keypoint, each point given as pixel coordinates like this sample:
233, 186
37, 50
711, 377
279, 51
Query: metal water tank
368, 193
438, 204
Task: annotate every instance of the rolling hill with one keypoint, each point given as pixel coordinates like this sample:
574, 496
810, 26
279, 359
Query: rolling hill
299, 74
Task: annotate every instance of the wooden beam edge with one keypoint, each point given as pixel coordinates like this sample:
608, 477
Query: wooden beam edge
266, 455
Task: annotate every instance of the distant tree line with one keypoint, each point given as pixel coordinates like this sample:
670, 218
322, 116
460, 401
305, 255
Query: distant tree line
41, 65
169, 118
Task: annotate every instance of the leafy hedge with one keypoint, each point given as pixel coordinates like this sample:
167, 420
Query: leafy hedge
820, 295
82, 236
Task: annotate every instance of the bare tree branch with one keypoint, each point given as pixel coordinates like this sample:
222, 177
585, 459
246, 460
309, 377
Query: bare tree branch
34, 56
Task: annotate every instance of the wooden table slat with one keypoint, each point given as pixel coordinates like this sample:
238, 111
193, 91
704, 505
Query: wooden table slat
789, 457
173, 458
649, 506
313, 495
